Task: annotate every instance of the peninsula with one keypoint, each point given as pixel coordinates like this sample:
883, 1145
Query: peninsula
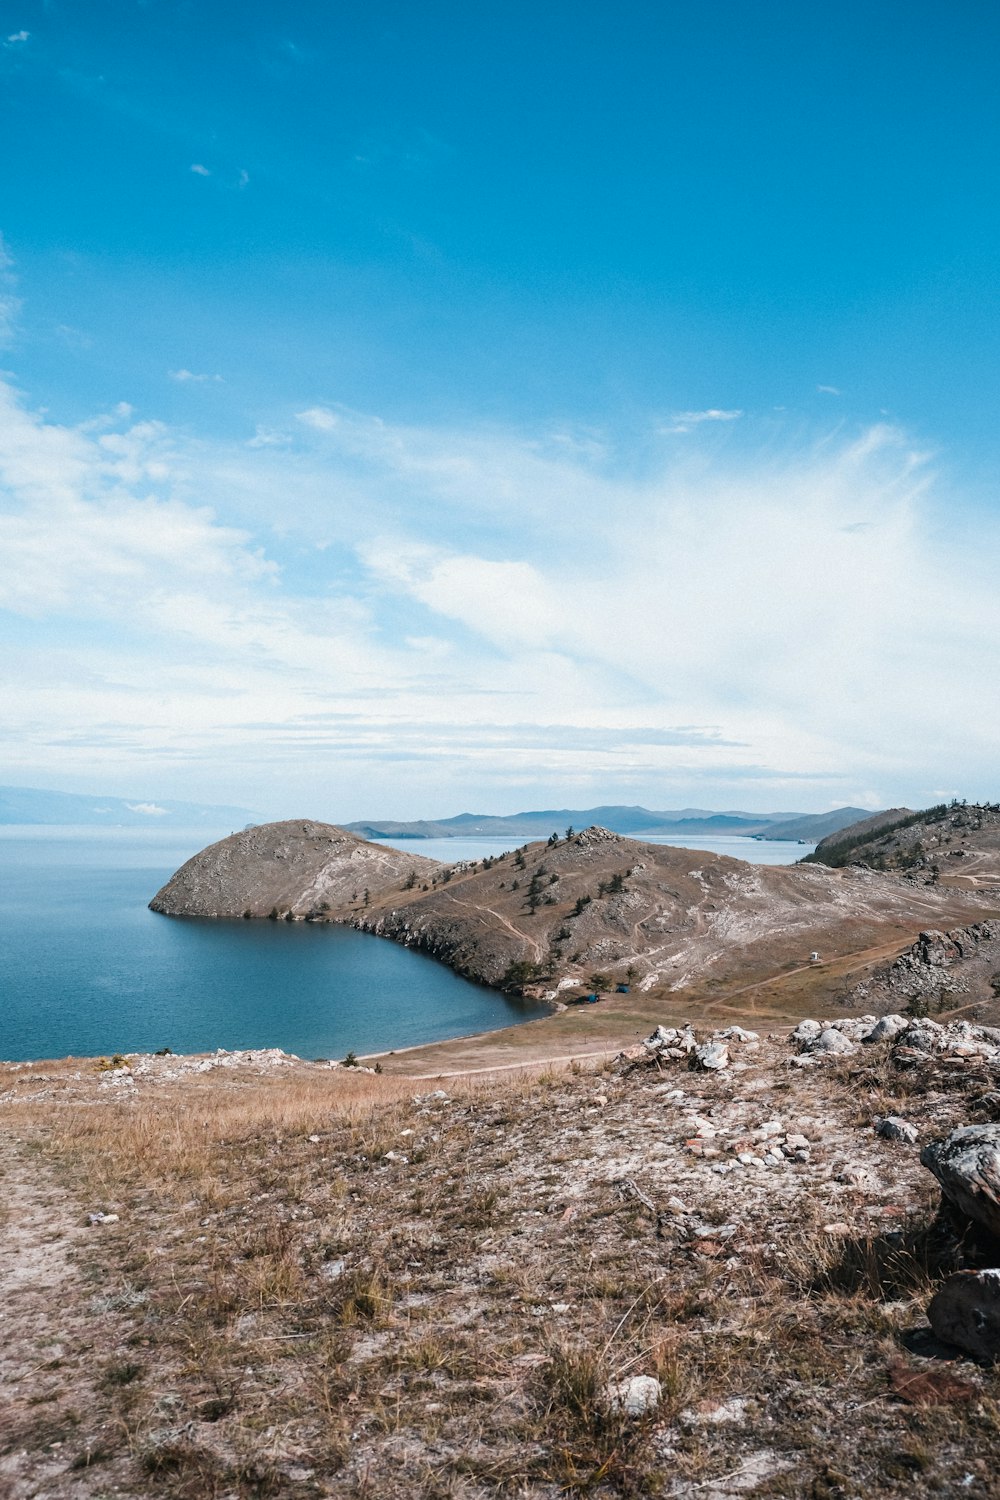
592, 911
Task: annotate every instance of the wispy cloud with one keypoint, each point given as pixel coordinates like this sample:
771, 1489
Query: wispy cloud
199, 170
488, 614
188, 377
829, 390
17, 38
10, 304
684, 421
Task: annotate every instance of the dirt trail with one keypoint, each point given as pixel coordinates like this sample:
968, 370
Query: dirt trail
504, 922
52, 1340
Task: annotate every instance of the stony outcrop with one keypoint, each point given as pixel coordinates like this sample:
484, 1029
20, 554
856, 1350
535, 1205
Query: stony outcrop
967, 1165
939, 971
965, 1311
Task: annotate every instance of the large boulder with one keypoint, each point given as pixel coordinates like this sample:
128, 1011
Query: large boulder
967, 1165
965, 1311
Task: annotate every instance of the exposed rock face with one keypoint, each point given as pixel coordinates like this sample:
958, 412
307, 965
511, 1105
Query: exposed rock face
965, 1311
940, 970
297, 867
593, 903
967, 1165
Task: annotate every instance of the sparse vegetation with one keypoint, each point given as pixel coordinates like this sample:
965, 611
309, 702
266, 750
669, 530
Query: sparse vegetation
333, 1282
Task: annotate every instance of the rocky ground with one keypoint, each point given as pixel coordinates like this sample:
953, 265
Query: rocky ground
940, 972
700, 1269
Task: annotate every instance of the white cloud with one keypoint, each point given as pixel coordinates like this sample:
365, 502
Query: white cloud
199, 170
244, 179
319, 418
685, 421
184, 377
10, 305
17, 37
829, 390
449, 615
149, 809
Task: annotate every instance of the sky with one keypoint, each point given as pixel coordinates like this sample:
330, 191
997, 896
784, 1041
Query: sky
415, 409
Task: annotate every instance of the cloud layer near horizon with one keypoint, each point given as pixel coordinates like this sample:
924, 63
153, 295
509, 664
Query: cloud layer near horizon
344, 616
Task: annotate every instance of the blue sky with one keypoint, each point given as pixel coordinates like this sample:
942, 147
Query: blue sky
412, 408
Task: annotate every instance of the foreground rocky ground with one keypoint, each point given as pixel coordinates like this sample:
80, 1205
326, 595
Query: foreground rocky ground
702, 1269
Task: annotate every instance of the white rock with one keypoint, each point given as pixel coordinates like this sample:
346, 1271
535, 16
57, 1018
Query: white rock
737, 1034
806, 1031
717, 1413
832, 1042
892, 1128
636, 1397
712, 1056
886, 1030
859, 1177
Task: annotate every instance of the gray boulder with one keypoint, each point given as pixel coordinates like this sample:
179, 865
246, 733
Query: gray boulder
967, 1165
887, 1030
713, 1056
965, 1311
638, 1397
892, 1128
832, 1041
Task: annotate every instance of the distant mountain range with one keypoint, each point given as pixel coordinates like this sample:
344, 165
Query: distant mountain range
633, 821
25, 804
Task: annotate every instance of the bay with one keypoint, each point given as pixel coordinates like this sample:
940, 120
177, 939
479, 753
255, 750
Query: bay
87, 970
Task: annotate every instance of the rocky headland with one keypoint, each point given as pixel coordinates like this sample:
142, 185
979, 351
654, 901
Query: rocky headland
593, 910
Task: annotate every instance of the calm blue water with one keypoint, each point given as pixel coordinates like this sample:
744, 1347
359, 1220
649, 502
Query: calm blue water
86, 969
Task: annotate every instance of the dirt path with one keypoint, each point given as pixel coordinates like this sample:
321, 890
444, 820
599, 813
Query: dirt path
53, 1341
533, 943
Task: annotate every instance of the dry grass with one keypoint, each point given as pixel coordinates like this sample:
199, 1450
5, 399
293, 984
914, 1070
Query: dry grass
432, 1297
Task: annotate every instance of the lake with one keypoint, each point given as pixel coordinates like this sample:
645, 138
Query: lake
87, 970
757, 851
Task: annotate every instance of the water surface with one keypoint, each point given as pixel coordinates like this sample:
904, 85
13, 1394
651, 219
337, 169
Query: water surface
86, 969
757, 851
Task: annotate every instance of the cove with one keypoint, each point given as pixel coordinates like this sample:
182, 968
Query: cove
87, 970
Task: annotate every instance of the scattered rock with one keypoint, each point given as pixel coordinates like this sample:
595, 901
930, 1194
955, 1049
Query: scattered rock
859, 1177
636, 1397
716, 1413
965, 1311
831, 1041
887, 1029
893, 1128
967, 1165
712, 1056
